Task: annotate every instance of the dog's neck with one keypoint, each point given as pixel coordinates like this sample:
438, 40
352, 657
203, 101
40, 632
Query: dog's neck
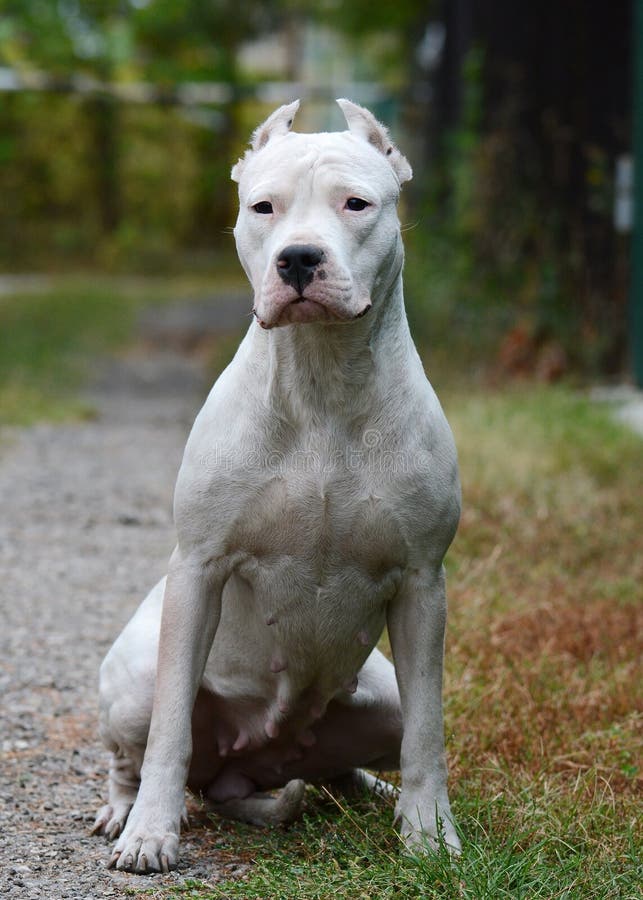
315, 371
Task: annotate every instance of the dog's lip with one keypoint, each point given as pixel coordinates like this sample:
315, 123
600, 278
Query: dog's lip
308, 305
302, 299
327, 305
302, 309
311, 302
363, 312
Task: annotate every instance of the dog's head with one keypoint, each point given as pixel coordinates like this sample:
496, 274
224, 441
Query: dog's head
317, 232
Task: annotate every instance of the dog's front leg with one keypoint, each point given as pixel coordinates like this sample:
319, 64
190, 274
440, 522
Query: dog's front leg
416, 622
191, 612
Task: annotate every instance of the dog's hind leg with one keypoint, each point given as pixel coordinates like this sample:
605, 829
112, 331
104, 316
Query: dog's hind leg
359, 781
126, 692
123, 788
263, 808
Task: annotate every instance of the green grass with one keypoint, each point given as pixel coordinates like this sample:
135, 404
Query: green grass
51, 339
47, 340
524, 844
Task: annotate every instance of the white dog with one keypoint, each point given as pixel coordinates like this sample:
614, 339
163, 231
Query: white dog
317, 497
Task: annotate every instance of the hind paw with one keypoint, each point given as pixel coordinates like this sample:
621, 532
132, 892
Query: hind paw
110, 820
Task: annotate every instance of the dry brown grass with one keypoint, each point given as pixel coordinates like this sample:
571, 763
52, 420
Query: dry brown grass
544, 647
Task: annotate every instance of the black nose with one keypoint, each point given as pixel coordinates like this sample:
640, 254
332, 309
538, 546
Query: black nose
297, 263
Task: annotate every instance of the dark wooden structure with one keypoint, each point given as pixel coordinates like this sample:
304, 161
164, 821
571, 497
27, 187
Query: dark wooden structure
558, 81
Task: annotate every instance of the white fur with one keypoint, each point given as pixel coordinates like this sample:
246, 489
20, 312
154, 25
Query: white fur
316, 499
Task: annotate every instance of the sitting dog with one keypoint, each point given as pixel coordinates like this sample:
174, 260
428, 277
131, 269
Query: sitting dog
315, 502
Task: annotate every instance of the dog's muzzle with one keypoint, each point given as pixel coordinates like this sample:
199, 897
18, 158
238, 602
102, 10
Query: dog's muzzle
296, 265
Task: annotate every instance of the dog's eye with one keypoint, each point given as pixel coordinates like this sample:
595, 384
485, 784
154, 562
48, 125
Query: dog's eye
356, 204
263, 207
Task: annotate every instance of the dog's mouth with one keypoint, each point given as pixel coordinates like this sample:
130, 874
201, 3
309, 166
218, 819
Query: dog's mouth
309, 302
331, 314
301, 309
306, 309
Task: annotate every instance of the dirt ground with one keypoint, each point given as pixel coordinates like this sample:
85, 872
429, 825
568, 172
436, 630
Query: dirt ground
85, 530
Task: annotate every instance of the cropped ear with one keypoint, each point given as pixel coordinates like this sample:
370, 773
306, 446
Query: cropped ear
363, 123
278, 123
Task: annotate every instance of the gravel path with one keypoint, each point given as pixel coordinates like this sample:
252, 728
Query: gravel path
85, 530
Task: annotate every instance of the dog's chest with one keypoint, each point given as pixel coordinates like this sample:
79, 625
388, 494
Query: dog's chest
321, 554
317, 526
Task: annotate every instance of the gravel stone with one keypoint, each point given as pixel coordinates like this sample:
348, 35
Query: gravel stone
85, 531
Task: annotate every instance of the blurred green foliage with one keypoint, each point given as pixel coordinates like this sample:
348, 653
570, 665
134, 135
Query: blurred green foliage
50, 339
51, 212
87, 181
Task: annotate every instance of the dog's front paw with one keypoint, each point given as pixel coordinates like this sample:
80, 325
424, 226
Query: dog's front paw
147, 845
428, 827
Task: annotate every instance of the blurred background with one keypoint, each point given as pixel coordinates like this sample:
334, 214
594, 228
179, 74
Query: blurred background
119, 121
